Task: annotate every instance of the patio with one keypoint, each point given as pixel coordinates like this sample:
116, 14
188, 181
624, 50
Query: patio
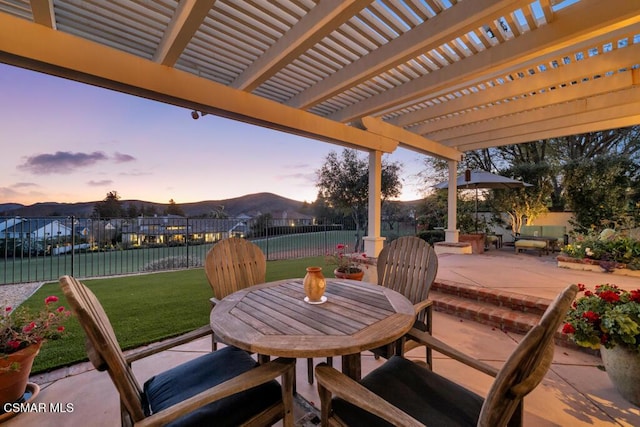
575, 392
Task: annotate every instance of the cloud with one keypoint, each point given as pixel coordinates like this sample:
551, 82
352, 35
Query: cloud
122, 158
100, 183
65, 162
62, 162
24, 185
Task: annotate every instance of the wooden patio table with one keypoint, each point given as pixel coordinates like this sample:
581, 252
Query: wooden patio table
273, 319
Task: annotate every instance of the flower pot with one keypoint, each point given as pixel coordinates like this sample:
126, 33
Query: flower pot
13, 383
623, 368
314, 284
353, 276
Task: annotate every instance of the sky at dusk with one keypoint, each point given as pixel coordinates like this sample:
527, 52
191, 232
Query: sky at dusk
69, 142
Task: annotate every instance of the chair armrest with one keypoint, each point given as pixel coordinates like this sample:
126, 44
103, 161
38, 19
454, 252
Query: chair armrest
332, 382
441, 347
154, 348
213, 301
418, 307
280, 367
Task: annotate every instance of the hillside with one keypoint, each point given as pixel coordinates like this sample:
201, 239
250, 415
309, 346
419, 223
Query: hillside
251, 204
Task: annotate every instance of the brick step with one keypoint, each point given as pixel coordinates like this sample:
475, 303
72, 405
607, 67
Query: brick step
499, 298
507, 311
486, 313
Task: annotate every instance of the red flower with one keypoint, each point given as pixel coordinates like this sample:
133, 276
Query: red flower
13, 344
50, 298
588, 293
604, 339
340, 246
581, 287
591, 316
60, 328
7, 309
568, 328
635, 295
28, 328
609, 296
60, 309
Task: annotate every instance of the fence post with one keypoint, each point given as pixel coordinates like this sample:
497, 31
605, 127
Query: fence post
187, 241
73, 243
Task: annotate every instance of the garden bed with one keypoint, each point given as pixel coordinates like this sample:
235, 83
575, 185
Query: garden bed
588, 264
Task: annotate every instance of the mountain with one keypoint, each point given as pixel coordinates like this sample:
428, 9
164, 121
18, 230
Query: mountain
250, 204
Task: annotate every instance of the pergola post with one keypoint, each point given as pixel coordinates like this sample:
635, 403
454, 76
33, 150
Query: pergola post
373, 242
452, 233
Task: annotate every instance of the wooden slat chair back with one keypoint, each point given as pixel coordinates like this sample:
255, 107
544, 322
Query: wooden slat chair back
409, 265
241, 381
233, 264
403, 393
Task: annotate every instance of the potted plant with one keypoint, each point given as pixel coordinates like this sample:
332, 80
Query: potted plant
346, 264
22, 332
608, 319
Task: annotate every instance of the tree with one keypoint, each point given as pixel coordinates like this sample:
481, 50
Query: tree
132, 210
218, 212
523, 205
110, 207
174, 209
599, 190
343, 182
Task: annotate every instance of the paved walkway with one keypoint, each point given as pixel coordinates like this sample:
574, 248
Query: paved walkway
574, 393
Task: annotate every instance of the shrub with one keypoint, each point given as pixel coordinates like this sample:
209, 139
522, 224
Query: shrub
172, 263
606, 246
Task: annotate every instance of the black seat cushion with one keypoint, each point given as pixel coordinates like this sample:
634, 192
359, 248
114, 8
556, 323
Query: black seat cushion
197, 375
423, 394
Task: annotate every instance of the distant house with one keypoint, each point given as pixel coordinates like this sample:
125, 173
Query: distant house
36, 229
176, 229
290, 218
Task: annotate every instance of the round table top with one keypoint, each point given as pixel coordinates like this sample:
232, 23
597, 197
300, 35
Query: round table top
273, 319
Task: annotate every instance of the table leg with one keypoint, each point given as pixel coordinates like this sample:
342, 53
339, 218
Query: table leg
351, 366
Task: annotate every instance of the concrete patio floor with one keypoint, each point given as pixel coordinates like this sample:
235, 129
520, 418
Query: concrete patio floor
575, 392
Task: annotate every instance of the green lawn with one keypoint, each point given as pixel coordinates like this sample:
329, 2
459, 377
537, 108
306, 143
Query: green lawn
147, 308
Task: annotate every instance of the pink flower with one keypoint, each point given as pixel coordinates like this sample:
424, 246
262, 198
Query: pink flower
7, 309
50, 298
60, 309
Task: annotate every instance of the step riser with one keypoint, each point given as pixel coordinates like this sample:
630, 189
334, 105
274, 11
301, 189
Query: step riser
504, 299
468, 312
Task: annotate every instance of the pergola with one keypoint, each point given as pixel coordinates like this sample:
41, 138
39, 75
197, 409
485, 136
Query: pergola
439, 77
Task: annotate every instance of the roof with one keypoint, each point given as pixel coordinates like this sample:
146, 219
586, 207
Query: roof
436, 76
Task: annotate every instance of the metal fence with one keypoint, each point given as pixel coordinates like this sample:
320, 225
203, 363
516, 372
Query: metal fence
43, 249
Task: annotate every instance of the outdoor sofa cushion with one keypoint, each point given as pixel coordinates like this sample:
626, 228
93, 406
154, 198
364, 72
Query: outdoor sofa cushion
420, 392
190, 378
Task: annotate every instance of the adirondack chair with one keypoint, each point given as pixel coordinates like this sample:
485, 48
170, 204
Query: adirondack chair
403, 393
224, 387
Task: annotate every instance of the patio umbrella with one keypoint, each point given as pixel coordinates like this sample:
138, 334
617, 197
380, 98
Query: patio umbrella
477, 179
